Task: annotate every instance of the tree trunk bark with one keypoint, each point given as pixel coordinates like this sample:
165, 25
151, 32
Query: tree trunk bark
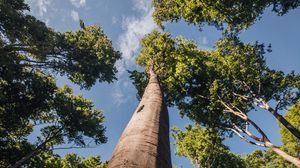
145, 141
286, 156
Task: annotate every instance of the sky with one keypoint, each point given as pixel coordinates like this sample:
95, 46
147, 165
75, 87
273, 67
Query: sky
125, 22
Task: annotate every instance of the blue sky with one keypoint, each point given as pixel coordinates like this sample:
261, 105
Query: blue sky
126, 22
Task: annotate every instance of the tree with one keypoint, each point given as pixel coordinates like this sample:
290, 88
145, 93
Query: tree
290, 145
145, 141
290, 142
236, 14
256, 159
31, 54
204, 148
218, 88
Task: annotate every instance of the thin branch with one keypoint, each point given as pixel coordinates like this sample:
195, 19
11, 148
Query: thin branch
241, 115
248, 133
242, 96
73, 147
245, 139
278, 106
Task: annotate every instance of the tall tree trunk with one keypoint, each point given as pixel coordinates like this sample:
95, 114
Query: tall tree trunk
145, 141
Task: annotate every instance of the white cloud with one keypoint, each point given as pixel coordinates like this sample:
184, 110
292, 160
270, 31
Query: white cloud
43, 6
203, 43
78, 3
75, 15
142, 5
48, 10
114, 20
204, 40
118, 97
135, 28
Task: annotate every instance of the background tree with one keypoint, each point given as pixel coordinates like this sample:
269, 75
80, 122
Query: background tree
233, 89
204, 148
290, 144
218, 88
236, 14
257, 159
71, 160
30, 54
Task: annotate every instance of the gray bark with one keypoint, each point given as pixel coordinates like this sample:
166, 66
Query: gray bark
145, 141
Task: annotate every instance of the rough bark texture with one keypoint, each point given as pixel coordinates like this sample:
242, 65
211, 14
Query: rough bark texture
145, 141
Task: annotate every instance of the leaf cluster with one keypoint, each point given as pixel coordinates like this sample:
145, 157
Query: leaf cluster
235, 14
204, 148
71, 160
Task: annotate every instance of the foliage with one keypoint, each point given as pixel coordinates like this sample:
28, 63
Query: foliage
84, 56
140, 81
31, 54
71, 160
256, 159
236, 14
218, 88
197, 81
266, 159
291, 145
204, 148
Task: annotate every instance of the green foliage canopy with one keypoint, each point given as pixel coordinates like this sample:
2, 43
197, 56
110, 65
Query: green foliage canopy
204, 148
71, 160
236, 14
31, 54
198, 81
85, 56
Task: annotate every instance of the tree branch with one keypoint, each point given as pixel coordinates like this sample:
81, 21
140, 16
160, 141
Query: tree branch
244, 138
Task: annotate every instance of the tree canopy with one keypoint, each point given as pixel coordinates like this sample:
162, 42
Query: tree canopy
230, 80
236, 14
71, 160
197, 80
217, 88
204, 148
31, 55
